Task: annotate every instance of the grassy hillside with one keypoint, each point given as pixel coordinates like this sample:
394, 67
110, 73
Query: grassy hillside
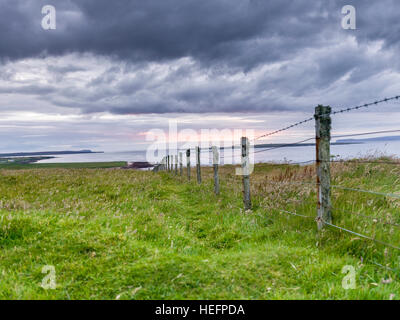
124, 234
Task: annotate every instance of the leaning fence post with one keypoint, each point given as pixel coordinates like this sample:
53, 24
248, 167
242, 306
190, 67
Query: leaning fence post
322, 143
180, 164
198, 168
246, 173
176, 165
215, 165
188, 163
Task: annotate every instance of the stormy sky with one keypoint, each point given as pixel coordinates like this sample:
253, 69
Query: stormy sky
113, 70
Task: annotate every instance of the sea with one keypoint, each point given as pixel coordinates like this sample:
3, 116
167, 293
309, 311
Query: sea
276, 155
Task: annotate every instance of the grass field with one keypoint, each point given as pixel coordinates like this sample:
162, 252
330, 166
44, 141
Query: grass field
125, 234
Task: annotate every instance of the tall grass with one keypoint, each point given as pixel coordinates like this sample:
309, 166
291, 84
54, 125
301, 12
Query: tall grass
122, 234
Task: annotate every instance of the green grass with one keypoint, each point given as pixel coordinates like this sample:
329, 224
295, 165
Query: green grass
139, 235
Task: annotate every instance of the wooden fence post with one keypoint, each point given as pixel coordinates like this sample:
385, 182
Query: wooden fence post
246, 173
167, 162
180, 163
198, 168
188, 163
176, 165
215, 165
323, 157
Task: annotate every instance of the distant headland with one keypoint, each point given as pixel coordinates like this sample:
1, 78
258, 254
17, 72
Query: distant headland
45, 153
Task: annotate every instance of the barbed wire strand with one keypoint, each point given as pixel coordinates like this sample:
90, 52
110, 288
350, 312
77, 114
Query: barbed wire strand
366, 105
284, 129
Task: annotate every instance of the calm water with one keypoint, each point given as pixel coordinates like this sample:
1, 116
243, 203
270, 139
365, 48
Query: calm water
293, 154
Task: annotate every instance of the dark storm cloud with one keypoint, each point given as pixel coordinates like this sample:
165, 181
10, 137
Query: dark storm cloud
244, 55
243, 33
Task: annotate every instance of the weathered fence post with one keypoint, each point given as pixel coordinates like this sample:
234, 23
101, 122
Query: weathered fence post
215, 165
188, 163
198, 168
176, 165
246, 173
180, 164
322, 143
167, 162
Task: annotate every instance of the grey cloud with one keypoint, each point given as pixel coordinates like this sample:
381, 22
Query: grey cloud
28, 89
227, 43
243, 33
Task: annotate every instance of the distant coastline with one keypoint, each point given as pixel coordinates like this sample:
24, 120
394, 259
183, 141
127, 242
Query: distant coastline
45, 153
377, 139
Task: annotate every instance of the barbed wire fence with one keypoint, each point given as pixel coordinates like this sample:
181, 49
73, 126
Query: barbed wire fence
322, 163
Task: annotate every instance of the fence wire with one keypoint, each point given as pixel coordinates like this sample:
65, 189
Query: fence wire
285, 145
299, 143
380, 220
366, 105
285, 128
360, 235
365, 162
296, 214
365, 133
390, 195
